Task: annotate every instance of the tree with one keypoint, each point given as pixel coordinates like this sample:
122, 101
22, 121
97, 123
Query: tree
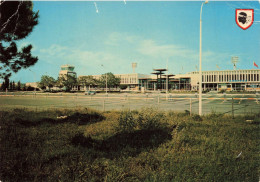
11, 85
23, 87
14, 87
19, 86
112, 80
17, 22
6, 85
46, 81
87, 80
67, 81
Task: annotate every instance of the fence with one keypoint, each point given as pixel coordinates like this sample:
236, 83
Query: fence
217, 103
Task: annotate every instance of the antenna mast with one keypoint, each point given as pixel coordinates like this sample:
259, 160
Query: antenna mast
134, 65
234, 60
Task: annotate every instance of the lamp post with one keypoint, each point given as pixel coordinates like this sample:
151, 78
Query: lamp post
167, 80
106, 79
200, 72
34, 80
106, 83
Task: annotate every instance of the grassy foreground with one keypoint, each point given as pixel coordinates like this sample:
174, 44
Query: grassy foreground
145, 145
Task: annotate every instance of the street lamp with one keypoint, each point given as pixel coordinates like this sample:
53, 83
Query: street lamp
200, 72
34, 80
106, 79
167, 78
106, 83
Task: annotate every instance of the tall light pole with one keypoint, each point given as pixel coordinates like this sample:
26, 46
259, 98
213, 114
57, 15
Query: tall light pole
167, 80
200, 72
106, 79
106, 83
34, 80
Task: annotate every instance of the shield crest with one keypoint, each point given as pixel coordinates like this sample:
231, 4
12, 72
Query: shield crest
244, 18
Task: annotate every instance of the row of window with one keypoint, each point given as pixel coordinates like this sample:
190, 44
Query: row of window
231, 78
130, 80
67, 68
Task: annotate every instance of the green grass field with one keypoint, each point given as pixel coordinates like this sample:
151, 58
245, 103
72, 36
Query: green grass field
143, 145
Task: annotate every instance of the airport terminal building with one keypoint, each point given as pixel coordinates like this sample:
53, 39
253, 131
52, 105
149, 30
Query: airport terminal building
230, 80
225, 80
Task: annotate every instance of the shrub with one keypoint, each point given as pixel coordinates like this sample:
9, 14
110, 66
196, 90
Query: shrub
196, 117
150, 118
213, 116
205, 91
222, 91
146, 119
126, 122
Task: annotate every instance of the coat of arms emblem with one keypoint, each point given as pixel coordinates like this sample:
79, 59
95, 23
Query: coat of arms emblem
244, 18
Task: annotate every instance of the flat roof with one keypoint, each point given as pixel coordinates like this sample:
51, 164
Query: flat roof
162, 69
238, 70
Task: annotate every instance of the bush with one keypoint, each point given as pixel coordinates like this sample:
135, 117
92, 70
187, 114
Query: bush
126, 122
196, 117
123, 87
205, 91
149, 119
222, 91
146, 119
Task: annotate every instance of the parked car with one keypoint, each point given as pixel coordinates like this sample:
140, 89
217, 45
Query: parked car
90, 93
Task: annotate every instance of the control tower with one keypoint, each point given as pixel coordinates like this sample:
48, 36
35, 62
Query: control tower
67, 70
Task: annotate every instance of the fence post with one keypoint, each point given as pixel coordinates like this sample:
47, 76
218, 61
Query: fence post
233, 108
190, 106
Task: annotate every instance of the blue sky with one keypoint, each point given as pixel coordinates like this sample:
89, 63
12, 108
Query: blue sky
147, 33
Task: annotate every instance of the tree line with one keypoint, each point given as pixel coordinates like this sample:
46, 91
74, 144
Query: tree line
15, 86
67, 82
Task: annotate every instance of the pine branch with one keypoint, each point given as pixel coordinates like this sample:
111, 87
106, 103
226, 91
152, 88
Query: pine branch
2, 2
9, 19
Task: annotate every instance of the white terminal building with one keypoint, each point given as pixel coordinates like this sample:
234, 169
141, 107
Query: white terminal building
230, 80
